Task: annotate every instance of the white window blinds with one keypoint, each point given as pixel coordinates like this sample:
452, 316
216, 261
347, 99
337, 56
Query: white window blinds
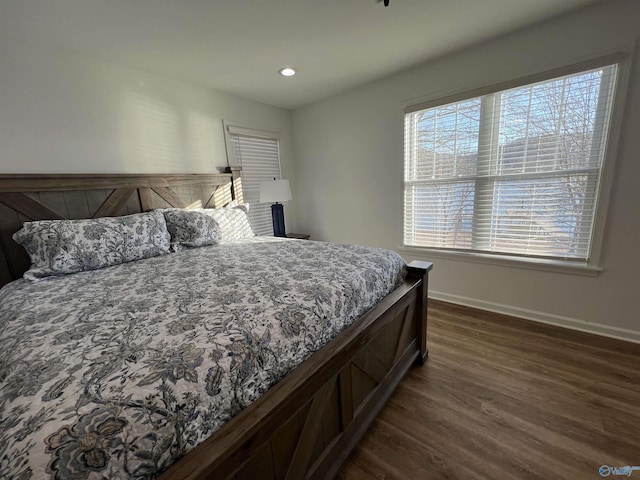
259, 155
511, 172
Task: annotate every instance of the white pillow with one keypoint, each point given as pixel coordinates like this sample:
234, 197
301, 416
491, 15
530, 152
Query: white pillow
233, 222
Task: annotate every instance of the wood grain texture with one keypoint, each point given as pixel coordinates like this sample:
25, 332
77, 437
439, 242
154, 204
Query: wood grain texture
506, 398
145, 195
28, 207
320, 445
308, 437
68, 182
171, 197
114, 203
48, 197
418, 267
329, 421
238, 194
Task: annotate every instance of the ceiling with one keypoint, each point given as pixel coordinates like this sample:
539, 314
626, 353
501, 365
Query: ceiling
237, 46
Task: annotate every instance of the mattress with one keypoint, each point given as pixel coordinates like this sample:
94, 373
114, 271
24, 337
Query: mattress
118, 372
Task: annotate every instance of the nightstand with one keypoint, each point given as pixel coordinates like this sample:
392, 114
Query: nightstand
299, 236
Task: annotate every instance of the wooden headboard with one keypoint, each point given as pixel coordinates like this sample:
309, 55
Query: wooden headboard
48, 197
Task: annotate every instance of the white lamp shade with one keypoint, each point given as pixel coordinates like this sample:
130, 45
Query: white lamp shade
273, 191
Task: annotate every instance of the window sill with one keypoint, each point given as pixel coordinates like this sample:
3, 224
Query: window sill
547, 265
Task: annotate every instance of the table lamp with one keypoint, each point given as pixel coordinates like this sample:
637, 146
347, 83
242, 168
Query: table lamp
276, 191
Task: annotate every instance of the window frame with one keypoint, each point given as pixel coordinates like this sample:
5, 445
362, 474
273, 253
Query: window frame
592, 266
232, 129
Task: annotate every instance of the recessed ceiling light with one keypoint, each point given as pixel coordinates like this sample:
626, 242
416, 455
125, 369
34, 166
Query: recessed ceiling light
287, 71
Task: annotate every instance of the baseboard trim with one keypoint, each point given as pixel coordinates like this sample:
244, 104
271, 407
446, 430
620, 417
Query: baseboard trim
542, 317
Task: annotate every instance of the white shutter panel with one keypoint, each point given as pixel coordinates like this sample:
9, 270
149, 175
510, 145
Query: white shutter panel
513, 172
259, 157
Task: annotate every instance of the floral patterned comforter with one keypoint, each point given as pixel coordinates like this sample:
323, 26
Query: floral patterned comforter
116, 373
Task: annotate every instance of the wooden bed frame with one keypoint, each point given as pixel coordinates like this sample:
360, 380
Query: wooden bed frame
304, 426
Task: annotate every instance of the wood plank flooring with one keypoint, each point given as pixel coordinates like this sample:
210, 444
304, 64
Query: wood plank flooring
503, 398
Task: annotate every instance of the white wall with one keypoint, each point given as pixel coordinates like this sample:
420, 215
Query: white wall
349, 160
62, 112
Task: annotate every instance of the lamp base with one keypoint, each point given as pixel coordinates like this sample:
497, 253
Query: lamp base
277, 213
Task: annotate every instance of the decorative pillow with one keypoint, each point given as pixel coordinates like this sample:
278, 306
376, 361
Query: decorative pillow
190, 228
59, 247
233, 222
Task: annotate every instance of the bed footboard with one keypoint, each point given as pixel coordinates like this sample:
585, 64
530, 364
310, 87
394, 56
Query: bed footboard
307, 424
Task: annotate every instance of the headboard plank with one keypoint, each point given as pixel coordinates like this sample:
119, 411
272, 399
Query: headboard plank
44, 197
77, 204
210, 202
95, 198
132, 205
184, 194
157, 201
15, 258
212, 194
224, 195
28, 206
203, 193
5, 275
63, 182
145, 196
170, 197
53, 201
114, 203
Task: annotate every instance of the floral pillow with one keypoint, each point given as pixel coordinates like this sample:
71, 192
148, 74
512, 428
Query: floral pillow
59, 247
190, 228
233, 222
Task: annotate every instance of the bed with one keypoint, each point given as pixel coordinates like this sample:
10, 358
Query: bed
205, 343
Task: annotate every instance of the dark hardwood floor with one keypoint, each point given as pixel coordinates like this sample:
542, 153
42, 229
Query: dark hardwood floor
503, 398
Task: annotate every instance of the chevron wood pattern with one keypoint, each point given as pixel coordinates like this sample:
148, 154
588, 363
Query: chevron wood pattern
305, 425
504, 398
303, 446
54, 197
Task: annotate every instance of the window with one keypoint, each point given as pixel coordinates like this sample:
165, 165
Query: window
258, 153
513, 172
